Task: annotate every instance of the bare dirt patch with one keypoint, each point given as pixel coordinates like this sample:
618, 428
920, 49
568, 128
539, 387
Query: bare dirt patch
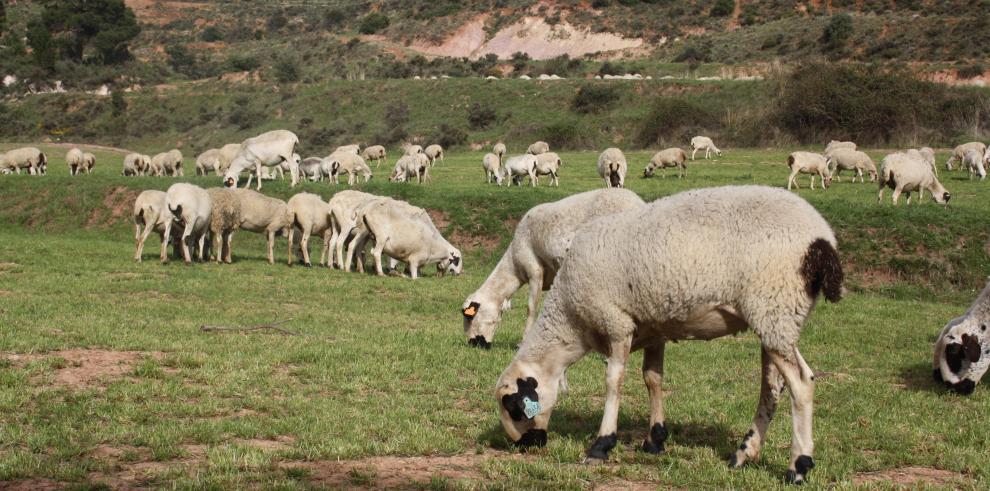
85, 368
395, 472
910, 476
119, 201
38, 484
281, 442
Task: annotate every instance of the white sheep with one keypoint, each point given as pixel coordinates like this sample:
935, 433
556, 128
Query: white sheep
355, 149
208, 161
973, 161
928, 155
846, 159
808, 163
267, 149
412, 149
29, 158
548, 164
173, 163
537, 250
538, 147
157, 164
399, 171
135, 165
75, 160
836, 145
681, 268
491, 164
907, 172
343, 206
417, 165
191, 208
518, 167
499, 150
962, 350
151, 215
225, 218
312, 168
89, 162
228, 153
376, 153
264, 215
310, 215
668, 157
350, 163
960, 151
706, 144
612, 167
434, 152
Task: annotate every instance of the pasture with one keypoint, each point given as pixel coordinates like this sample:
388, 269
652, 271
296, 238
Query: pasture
107, 379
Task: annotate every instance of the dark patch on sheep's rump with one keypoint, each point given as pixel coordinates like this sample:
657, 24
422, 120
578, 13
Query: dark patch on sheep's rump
613, 176
822, 271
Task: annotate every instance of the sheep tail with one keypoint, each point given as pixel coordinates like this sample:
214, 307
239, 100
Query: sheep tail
175, 211
822, 271
613, 175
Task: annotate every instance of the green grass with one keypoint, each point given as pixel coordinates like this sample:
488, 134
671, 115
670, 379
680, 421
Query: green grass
381, 367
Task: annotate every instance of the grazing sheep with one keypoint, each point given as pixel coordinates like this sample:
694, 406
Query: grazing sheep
681, 268
706, 144
310, 215
29, 158
228, 153
962, 350
374, 152
343, 207
906, 172
191, 208
135, 165
151, 215
264, 215
412, 149
491, 163
225, 218
355, 149
808, 163
973, 161
434, 152
960, 151
157, 164
75, 160
499, 150
548, 164
928, 155
668, 157
418, 165
518, 167
360, 234
612, 167
312, 168
172, 163
538, 147
845, 159
350, 163
89, 162
537, 250
836, 145
208, 161
267, 149
399, 171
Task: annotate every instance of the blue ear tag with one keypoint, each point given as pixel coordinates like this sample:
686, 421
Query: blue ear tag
532, 408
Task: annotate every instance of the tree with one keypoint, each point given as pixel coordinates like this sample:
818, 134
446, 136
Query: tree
722, 8
117, 103
838, 32
42, 45
373, 23
3, 16
104, 26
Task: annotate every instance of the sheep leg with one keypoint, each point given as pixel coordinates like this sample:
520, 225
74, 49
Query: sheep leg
812, 181
325, 253
618, 354
166, 238
413, 268
693, 151
305, 246
144, 237
291, 236
201, 247
218, 246
535, 285
186, 238
791, 180
897, 193
653, 376
271, 243
801, 382
258, 172
226, 254
376, 252
772, 385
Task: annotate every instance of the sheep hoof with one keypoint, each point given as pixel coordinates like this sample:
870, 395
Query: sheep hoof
802, 465
593, 461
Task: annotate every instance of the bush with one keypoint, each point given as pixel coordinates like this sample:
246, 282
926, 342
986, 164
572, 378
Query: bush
212, 34
693, 53
722, 8
333, 18
970, 71
672, 120
594, 98
243, 63
449, 136
277, 22
481, 116
373, 23
287, 70
838, 32
562, 134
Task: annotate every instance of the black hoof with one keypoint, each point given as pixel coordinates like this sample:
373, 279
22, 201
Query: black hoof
658, 436
479, 342
802, 466
532, 438
602, 446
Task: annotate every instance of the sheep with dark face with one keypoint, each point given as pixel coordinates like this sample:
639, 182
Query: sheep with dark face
720, 260
962, 350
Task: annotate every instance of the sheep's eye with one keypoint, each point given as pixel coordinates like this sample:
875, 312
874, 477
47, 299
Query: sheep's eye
983, 327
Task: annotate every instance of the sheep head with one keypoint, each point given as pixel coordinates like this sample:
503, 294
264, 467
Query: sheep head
962, 354
524, 406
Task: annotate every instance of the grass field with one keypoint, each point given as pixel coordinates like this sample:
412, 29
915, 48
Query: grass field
106, 378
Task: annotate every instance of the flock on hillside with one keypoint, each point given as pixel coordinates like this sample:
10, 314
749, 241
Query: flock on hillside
730, 258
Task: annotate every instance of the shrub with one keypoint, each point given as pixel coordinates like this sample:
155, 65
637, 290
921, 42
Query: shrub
837, 32
672, 119
693, 53
333, 18
243, 63
118, 105
970, 71
277, 22
722, 8
212, 34
287, 70
449, 136
373, 23
481, 116
594, 98
562, 134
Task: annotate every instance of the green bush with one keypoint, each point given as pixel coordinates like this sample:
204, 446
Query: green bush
243, 63
838, 32
672, 119
481, 116
287, 70
594, 98
373, 23
562, 134
722, 8
211, 34
449, 136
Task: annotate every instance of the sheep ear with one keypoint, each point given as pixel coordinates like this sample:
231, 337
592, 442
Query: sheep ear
528, 384
455, 259
972, 348
471, 310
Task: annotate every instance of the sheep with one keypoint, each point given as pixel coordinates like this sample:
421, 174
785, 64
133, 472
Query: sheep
342, 219
960, 151
434, 152
836, 145
538, 147
612, 167
808, 163
351, 163
418, 165
225, 218
399, 171
75, 160
157, 164
845, 159
499, 150
535, 255
706, 144
30, 158
962, 349
548, 164
228, 153
412, 149
310, 215
173, 163
374, 152
355, 149
312, 168
668, 157
681, 268
151, 215
491, 164
928, 155
208, 161
191, 207
267, 149
518, 167
135, 165
906, 172
360, 234
973, 161
264, 215
89, 162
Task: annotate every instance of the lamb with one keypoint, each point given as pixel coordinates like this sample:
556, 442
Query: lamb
355, 149
29, 158
75, 160
208, 161
350, 163
434, 152
538, 147
681, 268
973, 161
228, 153
191, 207
962, 349
374, 152
151, 215
706, 144
612, 167
491, 164
668, 157
836, 145
548, 164
535, 255
904, 172
310, 215
845, 159
135, 165
89, 162
343, 206
267, 149
225, 218
499, 150
264, 215
412, 149
808, 163
518, 167
312, 168
959, 152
